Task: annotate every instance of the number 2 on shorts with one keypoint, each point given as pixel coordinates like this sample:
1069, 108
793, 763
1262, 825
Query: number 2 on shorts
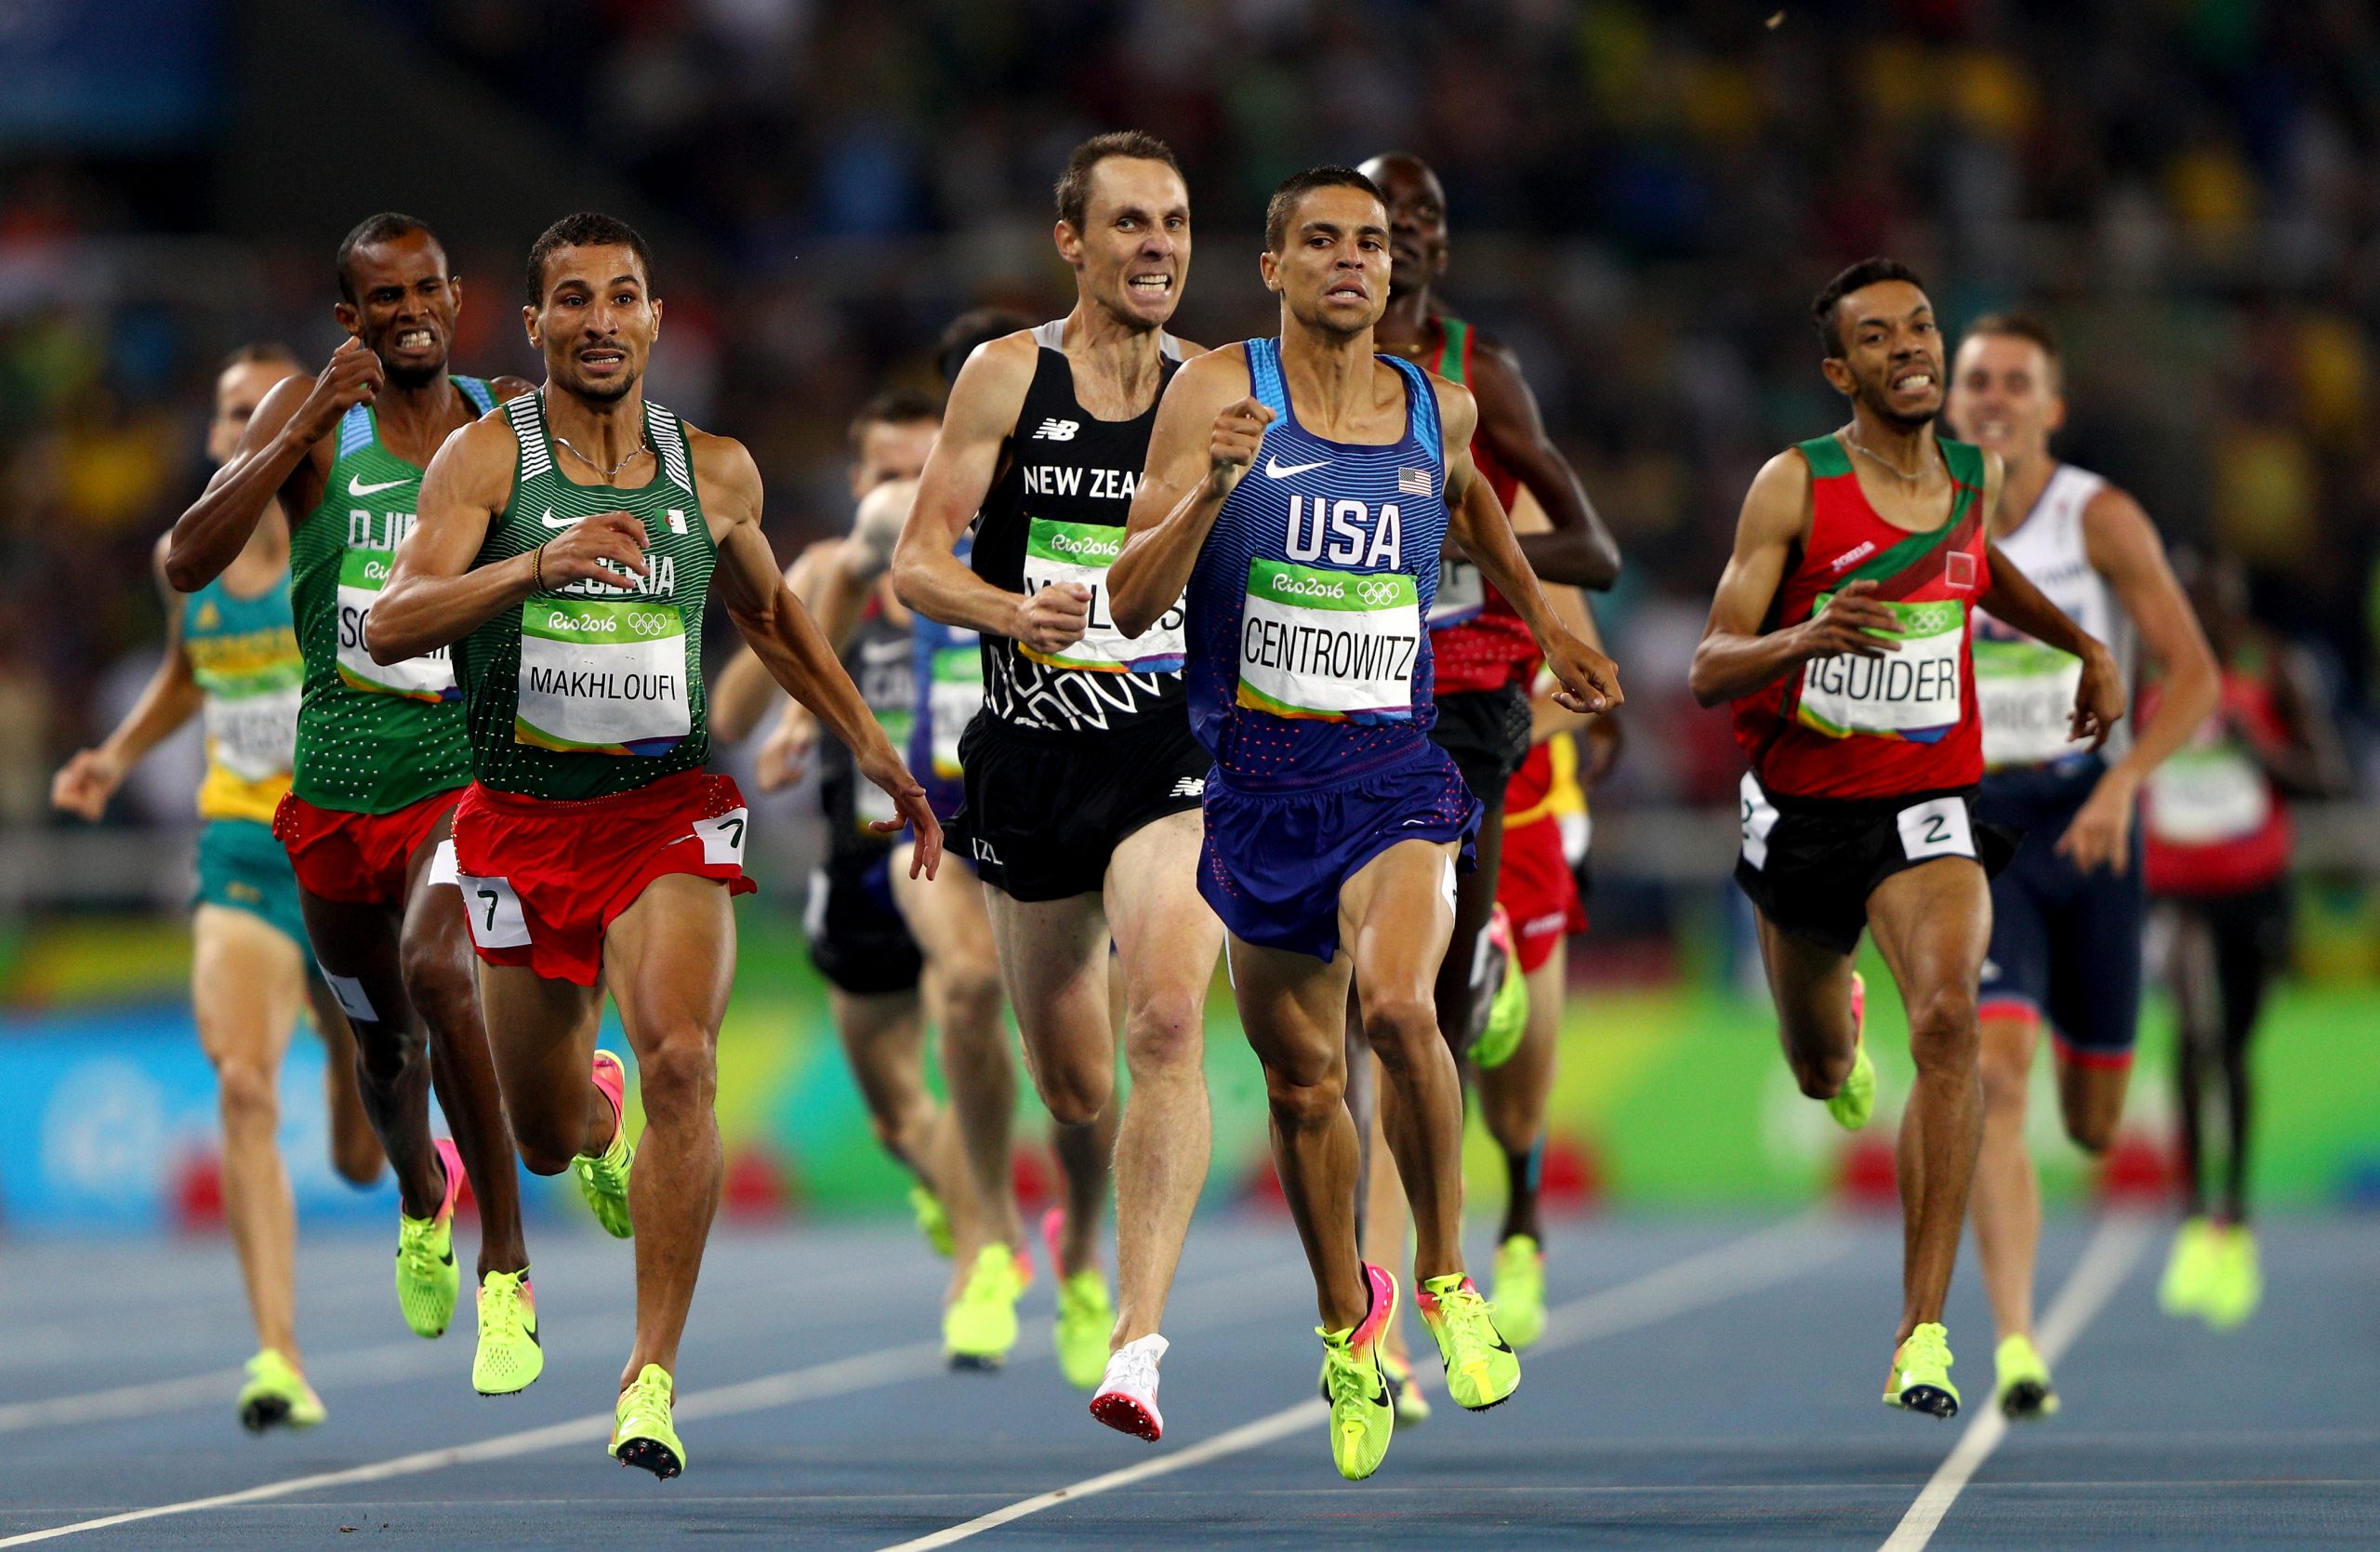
1935, 829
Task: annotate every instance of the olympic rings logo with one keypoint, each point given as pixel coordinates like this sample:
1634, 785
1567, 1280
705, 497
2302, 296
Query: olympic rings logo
648, 624
1376, 591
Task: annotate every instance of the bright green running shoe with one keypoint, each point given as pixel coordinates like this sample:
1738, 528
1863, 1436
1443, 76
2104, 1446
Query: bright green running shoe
1856, 1101
1508, 1015
2238, 1284
1519, 1299
427, 1279
933, 1222
276, 1396
1086, 1316
2189, 1284
603, 1180
1921, 1379
641, 1431
979, 1328
2026, 1395
509, 1356
1363, 1419
1481, 1369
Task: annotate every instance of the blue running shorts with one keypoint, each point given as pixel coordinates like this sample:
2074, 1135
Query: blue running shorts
2065, 945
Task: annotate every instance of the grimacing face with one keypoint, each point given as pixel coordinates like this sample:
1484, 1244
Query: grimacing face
1892, 352
407, 300
2005, 395
238, 391
598, 322
1132, 255
1331, 271
891, 450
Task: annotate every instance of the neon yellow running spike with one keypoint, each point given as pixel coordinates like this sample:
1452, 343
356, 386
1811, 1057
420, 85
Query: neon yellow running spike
641, 1431
2238, 1284
979, 1328
1519, 1299
2189, 1284
510, 1357
1508, 1015
2025, 1393
932, 1221
1086, 1317
427, 1279
276, 1396
1481, 1369
603, 1180
1921, 1379
1856, 1101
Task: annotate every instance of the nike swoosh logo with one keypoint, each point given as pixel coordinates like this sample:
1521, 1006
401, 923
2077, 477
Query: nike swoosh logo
1275, 469
355, 485
550, 521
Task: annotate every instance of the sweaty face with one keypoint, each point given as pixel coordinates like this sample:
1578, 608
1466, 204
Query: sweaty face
404, 306
1892, 352
1333, 267
891, 450
1417, 220
2003, 395
1132, 254
595, 324
237, 393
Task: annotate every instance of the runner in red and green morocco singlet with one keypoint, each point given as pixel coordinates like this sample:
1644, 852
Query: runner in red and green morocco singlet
380, 762
565, 547
1841, 632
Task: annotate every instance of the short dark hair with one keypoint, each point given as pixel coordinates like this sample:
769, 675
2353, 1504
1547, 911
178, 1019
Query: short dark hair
268, 352
895, 406
1074, 184
2021, 326
588, 229
978, 326
1867, 272
1283, 203
371, 231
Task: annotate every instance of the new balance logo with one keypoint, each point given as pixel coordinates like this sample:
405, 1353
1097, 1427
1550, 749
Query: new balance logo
1190, 786
986, 853
1054, 430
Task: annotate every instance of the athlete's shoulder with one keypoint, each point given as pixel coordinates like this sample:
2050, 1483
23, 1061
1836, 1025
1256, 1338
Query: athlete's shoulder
1225, 366
1777, 505
509, 387
1458, 409
991, 385
723, 467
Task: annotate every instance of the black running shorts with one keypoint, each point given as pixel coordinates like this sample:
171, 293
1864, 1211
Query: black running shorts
1487, 734
1044, 813
858, 939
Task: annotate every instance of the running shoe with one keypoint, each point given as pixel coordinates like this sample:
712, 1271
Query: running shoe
2238, 1285
1481, 1369
1086, 1316
1856, 1101
276, 1396
1921, 1379
1405, 1389
1127, 1398
979, 1328
509, 1356
641, 1431
1520, 1291
933, 1222
2190, 1271
427, 1279
2026, 1395
1363, 1418
603, 1180
1508, 1013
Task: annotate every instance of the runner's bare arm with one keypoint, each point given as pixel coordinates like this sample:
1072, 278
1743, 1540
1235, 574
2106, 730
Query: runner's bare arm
738, 695
283, 452
84, 784
2013, 600
788, 642
1209, 429
2311, 763
1590, 680
2123, 547
1736, 656
927, 572
1578, 549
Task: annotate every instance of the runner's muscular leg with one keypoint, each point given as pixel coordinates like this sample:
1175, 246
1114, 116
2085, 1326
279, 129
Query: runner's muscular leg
1933, 923
357, 940
947, 919
669, 961
1512, 1098
1294, 1010
542, 1036
884, 1036
245, 981
435, 953
1811, 986
1167, 938
1395, 916
1053, 957
355, 1152
2007, 1189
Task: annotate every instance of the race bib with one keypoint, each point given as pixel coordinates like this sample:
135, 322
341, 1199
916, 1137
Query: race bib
952, 700
602, 677
255, 736
1336, 645
1755, 817
870, 803
2203, 797
1913, 693
361, 574
1082, 553
1461, 595
2026, 694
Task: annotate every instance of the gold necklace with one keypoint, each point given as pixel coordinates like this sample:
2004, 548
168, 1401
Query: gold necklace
609, 474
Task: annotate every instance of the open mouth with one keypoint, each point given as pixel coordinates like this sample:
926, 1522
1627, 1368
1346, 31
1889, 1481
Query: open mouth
1347, 291
1150, 284
603, 359
1917, 380
413, 340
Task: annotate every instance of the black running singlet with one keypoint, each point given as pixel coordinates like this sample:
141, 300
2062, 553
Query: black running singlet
879, 659
1058, 515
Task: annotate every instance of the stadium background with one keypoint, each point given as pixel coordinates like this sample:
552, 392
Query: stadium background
1644, 196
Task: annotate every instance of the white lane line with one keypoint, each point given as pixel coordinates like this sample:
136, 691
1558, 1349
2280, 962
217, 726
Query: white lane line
2114, 1250
1775, 1255
360, 1366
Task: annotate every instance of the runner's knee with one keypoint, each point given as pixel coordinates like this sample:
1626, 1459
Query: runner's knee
1163, 1032
1401, 1029
1075, 1092
1819, 1073
971, 995
2006, 1061
1305, 1096
678, 1073
1943, 1030
547, 1142
245, 1093
440, 988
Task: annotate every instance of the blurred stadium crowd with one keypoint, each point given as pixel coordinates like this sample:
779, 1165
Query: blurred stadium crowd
1643, 194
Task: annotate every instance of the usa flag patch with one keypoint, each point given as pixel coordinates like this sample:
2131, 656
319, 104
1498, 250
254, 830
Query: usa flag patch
1413, 481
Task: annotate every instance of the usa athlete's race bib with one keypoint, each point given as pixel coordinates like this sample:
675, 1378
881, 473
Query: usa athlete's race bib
1335, 645
1081, 552
1913, 694
361, 574
602, 677
2025, 691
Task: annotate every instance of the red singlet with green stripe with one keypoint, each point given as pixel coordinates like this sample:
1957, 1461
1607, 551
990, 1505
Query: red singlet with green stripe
1851, 727
1476, 639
